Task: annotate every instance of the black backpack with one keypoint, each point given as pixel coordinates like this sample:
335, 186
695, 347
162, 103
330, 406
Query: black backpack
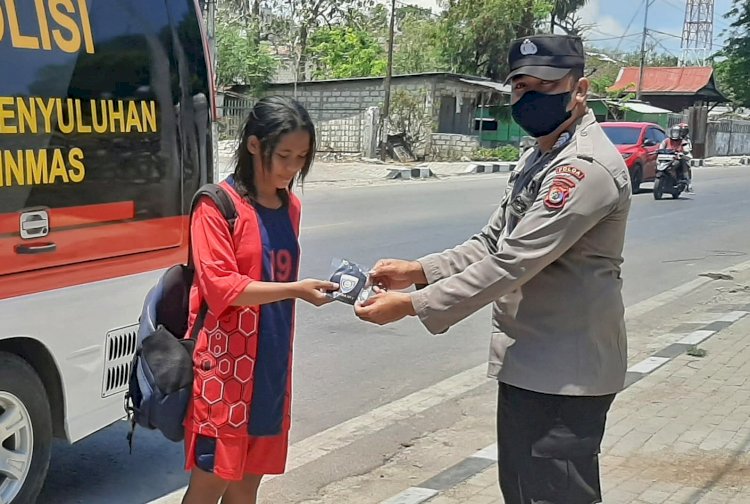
161, 375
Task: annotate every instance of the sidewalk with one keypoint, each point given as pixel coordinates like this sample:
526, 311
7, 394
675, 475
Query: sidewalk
679, 435
354, 173
361, 173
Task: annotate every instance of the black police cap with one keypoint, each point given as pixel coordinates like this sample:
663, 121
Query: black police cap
547, 57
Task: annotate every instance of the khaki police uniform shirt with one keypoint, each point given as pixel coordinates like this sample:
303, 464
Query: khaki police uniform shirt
554, 279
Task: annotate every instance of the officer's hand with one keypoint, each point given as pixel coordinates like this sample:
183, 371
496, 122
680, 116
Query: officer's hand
395, 274
385, 307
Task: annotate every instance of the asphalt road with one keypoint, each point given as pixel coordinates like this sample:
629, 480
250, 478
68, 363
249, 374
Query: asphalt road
345, 368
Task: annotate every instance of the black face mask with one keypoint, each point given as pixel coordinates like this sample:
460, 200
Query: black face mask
540, 114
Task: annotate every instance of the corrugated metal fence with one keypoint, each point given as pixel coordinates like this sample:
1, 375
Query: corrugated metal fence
728, 138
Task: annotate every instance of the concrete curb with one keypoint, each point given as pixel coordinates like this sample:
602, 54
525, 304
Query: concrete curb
697, 162
409, 173
490, 168
745, 161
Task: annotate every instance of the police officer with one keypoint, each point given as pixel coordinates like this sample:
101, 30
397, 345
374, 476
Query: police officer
549, 260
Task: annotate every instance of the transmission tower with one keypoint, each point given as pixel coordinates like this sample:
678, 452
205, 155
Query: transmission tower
697, 32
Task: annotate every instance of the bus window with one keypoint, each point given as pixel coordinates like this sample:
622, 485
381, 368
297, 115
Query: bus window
90, 164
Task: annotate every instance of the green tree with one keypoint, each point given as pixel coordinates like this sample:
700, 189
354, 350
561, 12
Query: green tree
733, 71
240, 58
476, 33
410, 117
417, 45
294, 22
345, 52
654, 58
563, 15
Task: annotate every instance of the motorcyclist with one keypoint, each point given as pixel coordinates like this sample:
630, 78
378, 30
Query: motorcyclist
679, 141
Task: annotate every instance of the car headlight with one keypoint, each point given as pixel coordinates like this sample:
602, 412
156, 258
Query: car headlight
627, 155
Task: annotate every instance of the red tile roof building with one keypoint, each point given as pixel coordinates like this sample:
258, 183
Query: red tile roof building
673, 88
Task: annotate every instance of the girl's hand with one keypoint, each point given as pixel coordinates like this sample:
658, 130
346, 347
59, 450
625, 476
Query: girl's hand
314, 291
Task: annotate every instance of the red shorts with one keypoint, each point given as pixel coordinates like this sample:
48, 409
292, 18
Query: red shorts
232, 458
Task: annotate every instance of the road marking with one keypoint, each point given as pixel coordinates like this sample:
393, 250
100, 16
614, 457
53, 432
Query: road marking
732, 316
339, 436
704, 319
696, 337
412, 495
489, 453
648, 365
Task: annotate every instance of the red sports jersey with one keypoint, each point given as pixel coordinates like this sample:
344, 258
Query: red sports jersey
227, 346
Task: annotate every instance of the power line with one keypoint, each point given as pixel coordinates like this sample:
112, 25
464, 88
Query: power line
631, 23
677, 7
613, 37
665, 33
658, 42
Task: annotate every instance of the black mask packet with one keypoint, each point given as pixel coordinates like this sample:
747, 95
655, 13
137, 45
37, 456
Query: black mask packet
353, 280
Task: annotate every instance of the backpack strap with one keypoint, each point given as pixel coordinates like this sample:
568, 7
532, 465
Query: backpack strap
223, 202
225, 205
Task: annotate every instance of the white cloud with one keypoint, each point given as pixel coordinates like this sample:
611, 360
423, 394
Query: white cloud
602, 26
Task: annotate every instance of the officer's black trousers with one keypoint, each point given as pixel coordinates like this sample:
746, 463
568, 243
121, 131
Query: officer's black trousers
548, 446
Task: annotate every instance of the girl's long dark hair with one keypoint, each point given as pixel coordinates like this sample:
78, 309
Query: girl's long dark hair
270, 119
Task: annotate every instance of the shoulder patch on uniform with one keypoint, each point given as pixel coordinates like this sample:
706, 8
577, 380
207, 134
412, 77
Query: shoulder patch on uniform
563, 180
572, 171
557, 196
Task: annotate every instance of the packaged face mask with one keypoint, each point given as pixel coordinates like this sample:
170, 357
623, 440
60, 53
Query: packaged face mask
353, 280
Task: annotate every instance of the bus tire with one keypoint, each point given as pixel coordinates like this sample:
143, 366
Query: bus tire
25, 431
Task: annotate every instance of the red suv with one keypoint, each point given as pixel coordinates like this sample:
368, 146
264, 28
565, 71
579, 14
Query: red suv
638, 142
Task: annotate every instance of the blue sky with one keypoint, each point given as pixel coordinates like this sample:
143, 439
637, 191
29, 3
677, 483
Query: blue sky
611, 18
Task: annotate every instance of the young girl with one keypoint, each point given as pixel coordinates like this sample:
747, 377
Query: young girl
237, 425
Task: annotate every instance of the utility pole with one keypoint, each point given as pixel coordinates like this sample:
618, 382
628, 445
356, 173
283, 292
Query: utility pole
643, 49
387, 84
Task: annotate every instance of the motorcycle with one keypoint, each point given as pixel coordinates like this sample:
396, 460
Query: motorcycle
668, 179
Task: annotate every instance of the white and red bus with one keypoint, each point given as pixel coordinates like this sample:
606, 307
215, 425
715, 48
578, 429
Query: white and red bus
105, 134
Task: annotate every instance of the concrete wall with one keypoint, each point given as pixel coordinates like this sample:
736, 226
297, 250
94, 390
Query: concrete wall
449, 147
340, 108
728, 138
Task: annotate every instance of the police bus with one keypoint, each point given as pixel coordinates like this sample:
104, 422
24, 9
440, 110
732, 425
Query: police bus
105, 134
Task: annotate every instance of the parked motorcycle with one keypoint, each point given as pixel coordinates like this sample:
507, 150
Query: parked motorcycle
668, 179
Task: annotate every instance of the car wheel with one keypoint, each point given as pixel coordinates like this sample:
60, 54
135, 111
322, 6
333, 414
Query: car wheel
636, 179
25, 431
